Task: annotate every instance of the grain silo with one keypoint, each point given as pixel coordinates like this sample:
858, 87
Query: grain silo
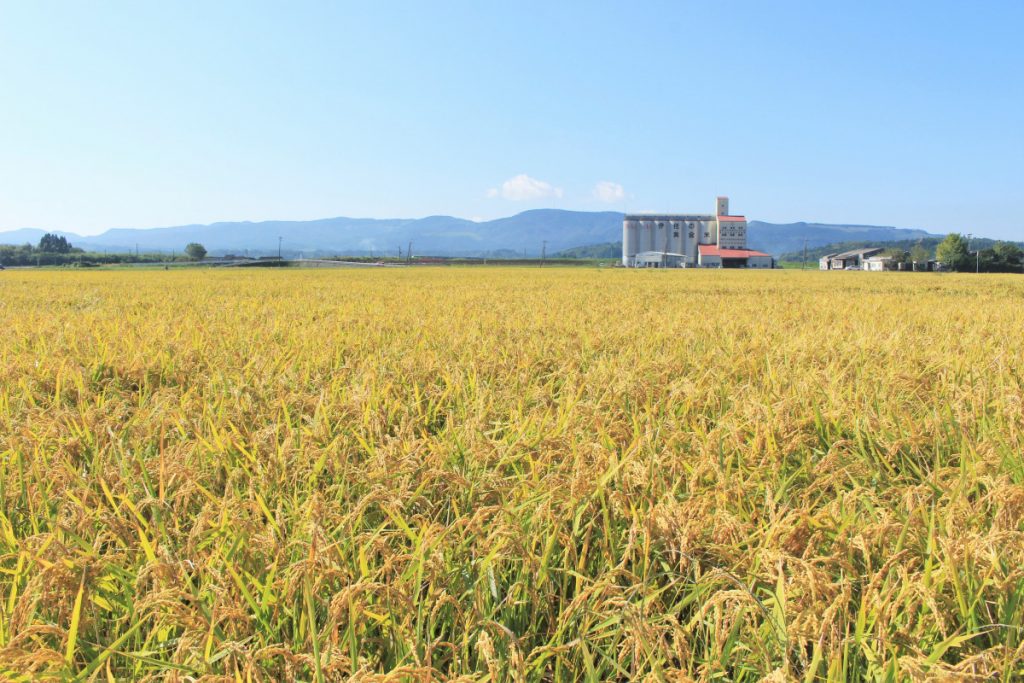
689, 240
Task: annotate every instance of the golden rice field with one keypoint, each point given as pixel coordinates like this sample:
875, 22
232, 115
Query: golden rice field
511, 474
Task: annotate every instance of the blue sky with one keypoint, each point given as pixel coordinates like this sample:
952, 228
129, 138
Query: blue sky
119, 114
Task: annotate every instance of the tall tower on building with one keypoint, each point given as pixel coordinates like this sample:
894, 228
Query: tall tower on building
723, 206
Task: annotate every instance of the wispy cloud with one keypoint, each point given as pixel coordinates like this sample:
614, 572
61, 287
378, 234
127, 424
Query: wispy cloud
607, 191
524, 188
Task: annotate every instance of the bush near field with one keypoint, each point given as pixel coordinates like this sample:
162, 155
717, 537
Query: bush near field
526, 474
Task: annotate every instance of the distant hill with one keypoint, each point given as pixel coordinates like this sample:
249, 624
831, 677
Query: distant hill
779, 238
522, 234
604, 250
32, 236
586, 234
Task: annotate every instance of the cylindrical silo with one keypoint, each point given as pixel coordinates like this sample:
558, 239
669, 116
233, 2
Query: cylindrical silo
629, 242
678, 233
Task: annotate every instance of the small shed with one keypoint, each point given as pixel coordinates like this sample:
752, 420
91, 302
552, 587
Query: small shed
660, 259
879, 263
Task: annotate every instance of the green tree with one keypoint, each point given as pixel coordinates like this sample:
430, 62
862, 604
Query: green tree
897, 254
1009, 258
54, 244
953, 252
195, 251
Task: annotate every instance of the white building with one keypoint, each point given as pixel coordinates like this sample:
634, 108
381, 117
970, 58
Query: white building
879, 263
689, 240
852, 260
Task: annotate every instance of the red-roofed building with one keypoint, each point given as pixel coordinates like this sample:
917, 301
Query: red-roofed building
712, 250
711, 256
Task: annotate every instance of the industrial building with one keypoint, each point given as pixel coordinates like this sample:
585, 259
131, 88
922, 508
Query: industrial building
716, 240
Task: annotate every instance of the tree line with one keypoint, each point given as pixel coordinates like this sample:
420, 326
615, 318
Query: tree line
56, 250
955, 253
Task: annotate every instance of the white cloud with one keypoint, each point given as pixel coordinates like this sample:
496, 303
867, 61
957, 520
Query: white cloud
524, 188
607, 191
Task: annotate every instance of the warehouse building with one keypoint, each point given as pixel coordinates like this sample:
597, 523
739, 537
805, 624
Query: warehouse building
852, 260
716, 240
711, 256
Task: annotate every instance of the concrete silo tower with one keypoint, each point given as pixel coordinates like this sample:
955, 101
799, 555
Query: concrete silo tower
630, 240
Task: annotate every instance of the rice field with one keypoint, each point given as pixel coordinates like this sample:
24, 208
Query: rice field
511, 474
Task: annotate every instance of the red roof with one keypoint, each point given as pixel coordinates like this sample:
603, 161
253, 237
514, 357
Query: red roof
713, 250
732, 218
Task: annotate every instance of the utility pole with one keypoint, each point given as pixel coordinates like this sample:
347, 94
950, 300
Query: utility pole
543, 252
408, 252
804, 267
969, 235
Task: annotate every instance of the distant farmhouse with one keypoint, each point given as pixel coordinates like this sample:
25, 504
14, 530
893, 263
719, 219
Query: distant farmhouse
872, 258
848, 260
716, 240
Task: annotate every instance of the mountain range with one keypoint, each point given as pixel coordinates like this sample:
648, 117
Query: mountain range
524, 234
